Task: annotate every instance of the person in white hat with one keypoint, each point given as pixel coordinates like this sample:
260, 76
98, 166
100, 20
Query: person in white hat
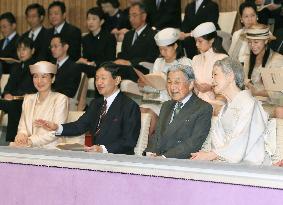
210, 47
170, 54
262, 57
45, 104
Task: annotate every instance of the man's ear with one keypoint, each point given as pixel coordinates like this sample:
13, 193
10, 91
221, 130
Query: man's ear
66, 46
192, 84
102, 22
118, 80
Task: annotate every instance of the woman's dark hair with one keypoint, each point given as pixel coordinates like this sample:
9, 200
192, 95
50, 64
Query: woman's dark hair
217, 43
247, 4
179, 51
96, 11
112, 68
253, 60
26, 41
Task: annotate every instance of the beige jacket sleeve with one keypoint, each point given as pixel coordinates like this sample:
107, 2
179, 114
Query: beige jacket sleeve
59, 116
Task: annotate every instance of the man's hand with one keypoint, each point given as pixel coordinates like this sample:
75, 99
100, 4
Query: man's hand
8, 96
201, 155
94, 148
51, 126
203, 87
122, 62
184, 35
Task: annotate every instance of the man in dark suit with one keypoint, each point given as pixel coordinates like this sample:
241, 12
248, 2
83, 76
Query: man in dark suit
68, 75
197, 12
8, 43
113, 120
35, 14
19, 83
138, 44
164, 13
184, 121
57, 18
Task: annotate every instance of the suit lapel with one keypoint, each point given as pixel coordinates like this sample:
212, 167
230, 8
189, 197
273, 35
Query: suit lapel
110, 115
142, 36
183, 115
203, 5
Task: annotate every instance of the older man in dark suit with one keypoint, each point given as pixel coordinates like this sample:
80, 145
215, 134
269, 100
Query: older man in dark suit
113, 120
138, 44
184, 121
197, 12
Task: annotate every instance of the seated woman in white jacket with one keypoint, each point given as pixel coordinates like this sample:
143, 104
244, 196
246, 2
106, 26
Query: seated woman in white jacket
239, 133
45, 104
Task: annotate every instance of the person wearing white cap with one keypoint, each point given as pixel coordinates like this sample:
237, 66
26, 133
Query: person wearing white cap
262, 57
171, 54
45, 104
211, 50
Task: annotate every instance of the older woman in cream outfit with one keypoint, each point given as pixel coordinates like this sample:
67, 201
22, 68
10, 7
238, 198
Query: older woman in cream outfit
45, 104
239, 133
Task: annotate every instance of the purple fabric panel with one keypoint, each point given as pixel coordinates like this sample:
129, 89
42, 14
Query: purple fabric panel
25, 185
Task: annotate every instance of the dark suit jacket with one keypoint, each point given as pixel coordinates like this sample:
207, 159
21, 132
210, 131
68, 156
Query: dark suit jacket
186, 133
208, 11
41, 44
10, 51
119, 21
144, 48
67, 78
20, 81
167, 15
120, 128
73, 36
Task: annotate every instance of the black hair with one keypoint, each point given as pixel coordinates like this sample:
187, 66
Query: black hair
112, 68
114, 3
252, 60
9, 17
63, 39
39, 8
141, 6
26, 41
96, 11
247, 4
179, 50
217, 42
60, 4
